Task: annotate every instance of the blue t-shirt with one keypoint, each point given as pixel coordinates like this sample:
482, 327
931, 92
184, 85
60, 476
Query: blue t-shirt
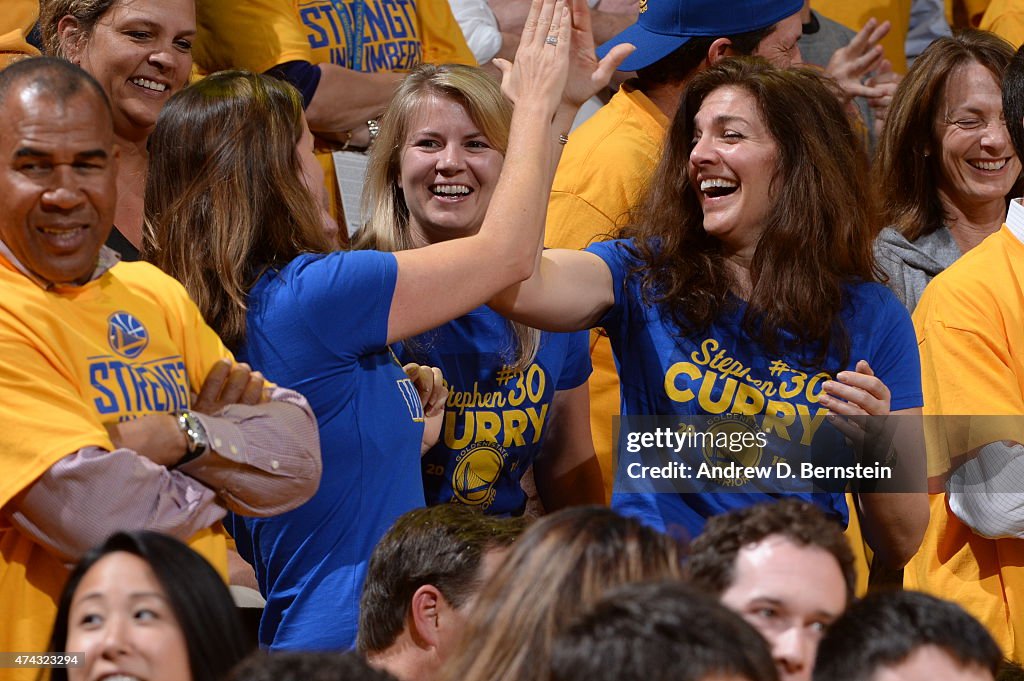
319, 326
494, 420
712, 377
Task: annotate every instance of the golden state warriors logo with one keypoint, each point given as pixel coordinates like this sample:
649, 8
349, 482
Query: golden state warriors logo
724, 444
126, 335
477, 470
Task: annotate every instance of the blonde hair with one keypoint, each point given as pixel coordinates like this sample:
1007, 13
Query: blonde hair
387, 228
561, 565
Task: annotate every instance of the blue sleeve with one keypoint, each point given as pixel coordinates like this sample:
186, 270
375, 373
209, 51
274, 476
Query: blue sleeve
576, 369
345, 298
301, 74
616, 255
896, 360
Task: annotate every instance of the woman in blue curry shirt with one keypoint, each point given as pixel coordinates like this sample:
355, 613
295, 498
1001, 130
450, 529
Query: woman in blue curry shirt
744, 298
517, 397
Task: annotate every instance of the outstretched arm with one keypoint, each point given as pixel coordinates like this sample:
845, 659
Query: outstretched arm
569, 291
445, 280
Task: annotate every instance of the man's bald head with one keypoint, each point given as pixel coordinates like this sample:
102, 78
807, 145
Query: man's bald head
55, 78
58, 169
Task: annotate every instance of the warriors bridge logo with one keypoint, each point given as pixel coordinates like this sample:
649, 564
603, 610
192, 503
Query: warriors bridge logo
126, 335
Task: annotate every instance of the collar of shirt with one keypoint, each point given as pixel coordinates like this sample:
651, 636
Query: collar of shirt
106, 259
1015, 219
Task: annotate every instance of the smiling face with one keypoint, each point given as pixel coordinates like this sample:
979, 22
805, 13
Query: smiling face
57, 182
977, 161
121, 619
732, 166
790, 594
448, 171
140, 51
781, 46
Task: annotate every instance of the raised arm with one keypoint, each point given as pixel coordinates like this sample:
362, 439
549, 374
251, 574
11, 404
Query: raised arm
445, 280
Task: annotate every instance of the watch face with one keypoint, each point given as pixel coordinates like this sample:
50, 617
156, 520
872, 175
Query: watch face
194, 432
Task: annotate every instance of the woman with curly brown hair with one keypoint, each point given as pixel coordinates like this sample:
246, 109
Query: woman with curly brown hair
743, 298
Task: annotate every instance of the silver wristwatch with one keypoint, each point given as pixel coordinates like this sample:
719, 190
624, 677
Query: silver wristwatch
195, 436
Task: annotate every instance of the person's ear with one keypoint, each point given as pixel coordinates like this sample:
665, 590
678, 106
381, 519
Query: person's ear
719, 50
425, 615
69, 34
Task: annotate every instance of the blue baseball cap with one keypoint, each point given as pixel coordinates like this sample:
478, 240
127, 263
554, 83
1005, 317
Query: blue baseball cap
666, 25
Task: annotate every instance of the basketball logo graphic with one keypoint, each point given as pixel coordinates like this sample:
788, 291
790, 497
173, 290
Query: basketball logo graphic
731, 427
477, 470
126, 335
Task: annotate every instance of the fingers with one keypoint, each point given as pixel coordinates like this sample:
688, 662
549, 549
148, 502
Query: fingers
563, 23
581, 19
209, 394
869, 35
503, 65
430, 387
607, 67
253, 392
866, 62
544, 22
856, 392
236, 385
880, 32
530, 27
229, 383
861, 90
849, 427
438, 396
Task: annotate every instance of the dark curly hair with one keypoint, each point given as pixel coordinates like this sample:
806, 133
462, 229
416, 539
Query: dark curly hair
712, 559
818, 232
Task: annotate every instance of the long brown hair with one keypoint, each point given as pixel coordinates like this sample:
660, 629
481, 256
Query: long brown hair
818, 231
387, 227
225, 198
559, 567
908, 157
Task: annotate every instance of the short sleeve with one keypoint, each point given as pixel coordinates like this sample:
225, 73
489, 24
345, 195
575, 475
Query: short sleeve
896, 360
620, 261
345, 298
45, 417
577, 367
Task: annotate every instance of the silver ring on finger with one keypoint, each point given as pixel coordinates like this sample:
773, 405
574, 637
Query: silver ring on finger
551, 40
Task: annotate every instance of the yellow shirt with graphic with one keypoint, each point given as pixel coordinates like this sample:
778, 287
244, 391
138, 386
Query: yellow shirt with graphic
73, 359
391, 36
601, 174
854, 15
970, 326
260, 34
19, 16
